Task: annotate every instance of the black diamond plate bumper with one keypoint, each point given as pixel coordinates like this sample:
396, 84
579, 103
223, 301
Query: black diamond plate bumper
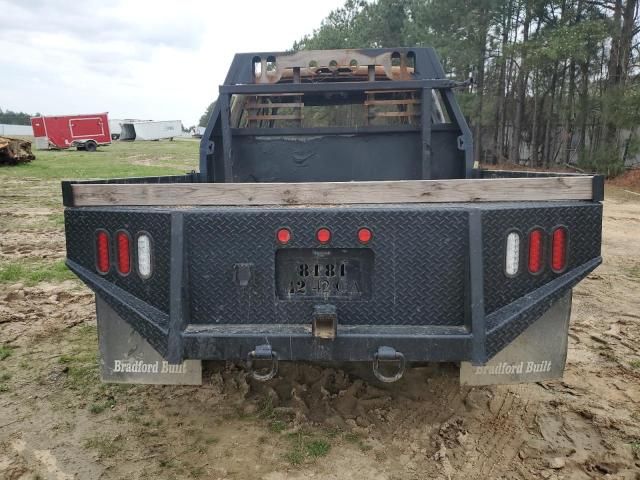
438, 292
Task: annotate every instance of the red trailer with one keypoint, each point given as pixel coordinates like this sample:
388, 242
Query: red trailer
85, 132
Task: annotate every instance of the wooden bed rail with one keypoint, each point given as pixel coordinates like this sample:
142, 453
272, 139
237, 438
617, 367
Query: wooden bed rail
336, 193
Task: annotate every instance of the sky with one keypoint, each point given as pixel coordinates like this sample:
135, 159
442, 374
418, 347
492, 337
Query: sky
146, 59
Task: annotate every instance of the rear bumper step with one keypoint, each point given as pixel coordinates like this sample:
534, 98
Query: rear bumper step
483, 339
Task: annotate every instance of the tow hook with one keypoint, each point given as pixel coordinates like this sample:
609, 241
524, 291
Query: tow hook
262, 352
388, 354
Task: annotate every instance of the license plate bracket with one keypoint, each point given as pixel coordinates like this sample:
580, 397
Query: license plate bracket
324, 273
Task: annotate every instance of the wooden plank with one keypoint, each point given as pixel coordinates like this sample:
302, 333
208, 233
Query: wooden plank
254, 106
277, 94
296, 116
394, 114
336, 193
408, 101
373, 92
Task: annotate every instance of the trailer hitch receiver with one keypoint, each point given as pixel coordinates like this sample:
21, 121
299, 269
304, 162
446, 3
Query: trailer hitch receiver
262, 352
388, 354
325, 322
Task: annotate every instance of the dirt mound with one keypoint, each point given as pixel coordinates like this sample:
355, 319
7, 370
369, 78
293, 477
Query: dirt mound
33, 312
629, 180
14, 151
345, 396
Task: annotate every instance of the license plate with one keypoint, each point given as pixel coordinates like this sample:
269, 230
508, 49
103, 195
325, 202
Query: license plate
324, 273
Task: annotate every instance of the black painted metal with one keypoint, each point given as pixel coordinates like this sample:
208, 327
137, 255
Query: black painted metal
336, 87
418, 268
388, 156
506, 324
67, 194
425, 112
583, 220
178, 301
425, 259
292, 344
81, 225
598, 188
476, 285
148, 321
438, 290
231, 154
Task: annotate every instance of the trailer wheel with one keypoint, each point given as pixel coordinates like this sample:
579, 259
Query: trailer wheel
90, 146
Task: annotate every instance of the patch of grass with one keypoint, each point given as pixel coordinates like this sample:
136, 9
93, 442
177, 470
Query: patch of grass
352, 437
4, 388
82, 360
99, 407
57, 219
266, 411
635, 447
5, 351
317, 448
357, 440
634, 363
634, 271
83, 370
277, 426
121, 159
295, 456
31, 273
306, 447
211, 440
105, 447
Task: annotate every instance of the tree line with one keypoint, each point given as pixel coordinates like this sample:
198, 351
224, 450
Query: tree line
553, 82
14, 118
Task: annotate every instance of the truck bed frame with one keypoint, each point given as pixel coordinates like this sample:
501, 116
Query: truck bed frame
218, 292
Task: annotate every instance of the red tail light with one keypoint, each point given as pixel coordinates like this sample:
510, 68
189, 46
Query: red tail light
102, 251
559, 249
365, 235
535, 251
323, 235
283, 235
124, 252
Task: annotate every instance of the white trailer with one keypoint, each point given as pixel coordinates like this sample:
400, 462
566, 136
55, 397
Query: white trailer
115, 128
154, 130
20, 130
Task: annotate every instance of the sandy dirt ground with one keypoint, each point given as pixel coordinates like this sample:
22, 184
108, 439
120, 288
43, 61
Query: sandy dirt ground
57, 421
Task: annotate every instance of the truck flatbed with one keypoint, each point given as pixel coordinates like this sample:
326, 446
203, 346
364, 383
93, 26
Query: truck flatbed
370, 238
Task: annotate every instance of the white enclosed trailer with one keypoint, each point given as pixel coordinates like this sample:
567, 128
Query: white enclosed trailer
115, 128
154, 130
21, 130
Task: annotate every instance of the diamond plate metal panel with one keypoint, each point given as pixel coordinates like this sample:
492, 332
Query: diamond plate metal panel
583, 221
419, 266
505, 325
81, 226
